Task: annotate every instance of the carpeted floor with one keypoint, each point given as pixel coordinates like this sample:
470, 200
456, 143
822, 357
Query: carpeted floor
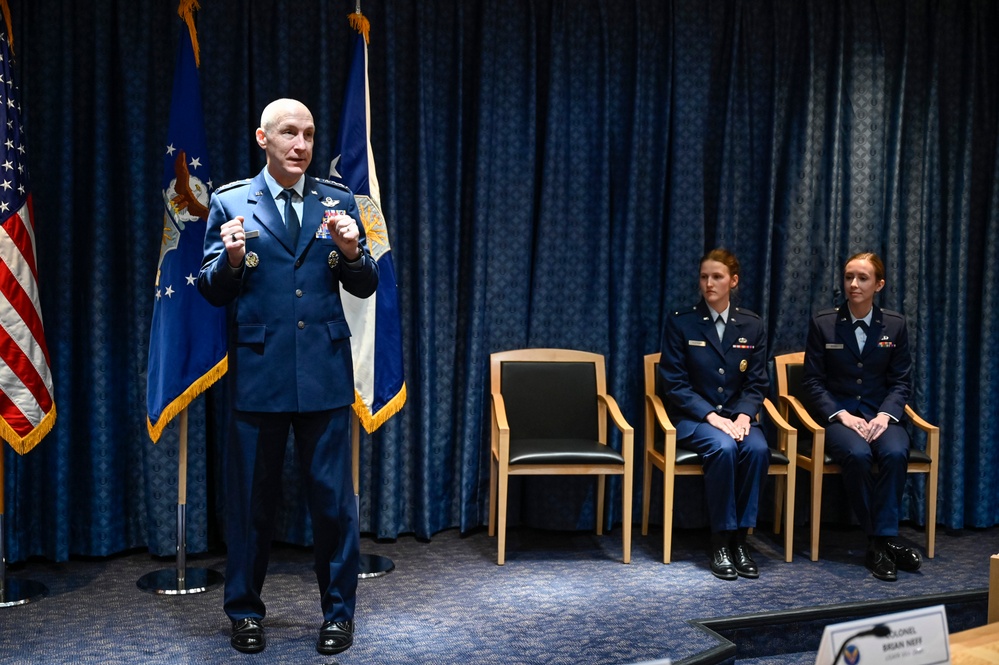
561, 598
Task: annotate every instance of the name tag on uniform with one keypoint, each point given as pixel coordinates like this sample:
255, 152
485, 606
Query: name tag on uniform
252, 234
834, 346
696, 342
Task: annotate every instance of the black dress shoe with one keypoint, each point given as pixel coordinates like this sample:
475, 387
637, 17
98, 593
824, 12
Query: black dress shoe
880, 565
248, 635
744, 564
335, 636
905, 558
721, 564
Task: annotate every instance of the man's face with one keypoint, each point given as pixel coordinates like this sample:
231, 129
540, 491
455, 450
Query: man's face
288, 142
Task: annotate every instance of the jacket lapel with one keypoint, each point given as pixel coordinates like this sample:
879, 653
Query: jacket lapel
311, 214
266, 213
708, 327
844, 331
874, 334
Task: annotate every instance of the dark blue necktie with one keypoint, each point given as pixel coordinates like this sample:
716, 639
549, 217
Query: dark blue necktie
290, 217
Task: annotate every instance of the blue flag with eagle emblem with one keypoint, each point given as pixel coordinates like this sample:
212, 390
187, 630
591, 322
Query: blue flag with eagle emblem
187, 342
375, 326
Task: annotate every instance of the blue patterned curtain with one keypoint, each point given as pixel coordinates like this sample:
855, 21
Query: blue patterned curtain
551, 171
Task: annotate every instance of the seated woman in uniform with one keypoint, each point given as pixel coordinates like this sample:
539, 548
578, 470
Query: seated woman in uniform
713, 378
856, 379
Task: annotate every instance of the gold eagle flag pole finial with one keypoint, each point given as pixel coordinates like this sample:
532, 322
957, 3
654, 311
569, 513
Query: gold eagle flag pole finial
186, 11
10, 32
359, 21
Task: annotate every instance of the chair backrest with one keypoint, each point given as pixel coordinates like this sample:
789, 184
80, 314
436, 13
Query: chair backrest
651, 361
790, 370
550, 395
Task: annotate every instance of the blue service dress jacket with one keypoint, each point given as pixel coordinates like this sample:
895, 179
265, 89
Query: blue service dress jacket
698, 374
289, 343
839, 376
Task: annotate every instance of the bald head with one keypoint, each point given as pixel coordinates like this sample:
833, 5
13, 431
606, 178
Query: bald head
286, 134
274, 111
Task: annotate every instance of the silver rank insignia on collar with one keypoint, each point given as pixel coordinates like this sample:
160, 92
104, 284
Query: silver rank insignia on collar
252, 260
333, 259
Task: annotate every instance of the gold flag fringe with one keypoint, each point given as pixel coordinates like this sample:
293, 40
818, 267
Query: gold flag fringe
24, 444
186, 11
10, 32
370, 421
175, 407
359, 22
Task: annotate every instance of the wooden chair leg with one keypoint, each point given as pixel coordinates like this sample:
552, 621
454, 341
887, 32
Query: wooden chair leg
931, 511
816, 511
778, 502
668, 480
504, 480
627, 493
646, 499
601, 488
493, 463
790, 484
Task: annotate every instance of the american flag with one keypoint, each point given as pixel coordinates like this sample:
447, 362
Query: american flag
27, 407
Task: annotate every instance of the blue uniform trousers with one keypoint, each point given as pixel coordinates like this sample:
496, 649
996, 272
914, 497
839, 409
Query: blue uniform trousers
875, 498
734, 471
254, 459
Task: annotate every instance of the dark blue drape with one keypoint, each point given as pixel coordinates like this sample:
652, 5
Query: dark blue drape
551, 171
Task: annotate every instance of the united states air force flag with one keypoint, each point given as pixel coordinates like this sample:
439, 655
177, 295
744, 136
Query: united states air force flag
376, 334
187, 343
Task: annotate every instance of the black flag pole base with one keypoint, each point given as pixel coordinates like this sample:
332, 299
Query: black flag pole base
180, 580
169, 583
375, 565
21, 592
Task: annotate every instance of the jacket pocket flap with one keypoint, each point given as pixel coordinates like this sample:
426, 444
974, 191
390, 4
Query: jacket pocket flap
251, 334
339, 329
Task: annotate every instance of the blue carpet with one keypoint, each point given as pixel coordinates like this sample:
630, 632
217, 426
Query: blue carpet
561, 598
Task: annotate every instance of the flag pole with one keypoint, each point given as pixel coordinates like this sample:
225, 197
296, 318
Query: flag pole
13, 592
371, 565
181, 580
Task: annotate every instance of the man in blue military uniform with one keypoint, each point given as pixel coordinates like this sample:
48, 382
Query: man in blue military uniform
856, 381
277, 249
713, 378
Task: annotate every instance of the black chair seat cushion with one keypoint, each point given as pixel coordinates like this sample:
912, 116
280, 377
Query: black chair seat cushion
562, 451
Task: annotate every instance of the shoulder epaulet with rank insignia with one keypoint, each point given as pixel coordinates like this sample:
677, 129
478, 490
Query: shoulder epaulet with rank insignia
747, 312
827, 312
338, 185
685, 310
231, 185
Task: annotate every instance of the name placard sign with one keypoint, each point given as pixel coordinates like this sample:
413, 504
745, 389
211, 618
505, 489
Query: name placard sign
916, 637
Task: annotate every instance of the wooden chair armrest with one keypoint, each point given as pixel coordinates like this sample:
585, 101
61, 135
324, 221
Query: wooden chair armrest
615, 414
499, 413
775, 416
627, 431
802, 413
659, 413
918, 420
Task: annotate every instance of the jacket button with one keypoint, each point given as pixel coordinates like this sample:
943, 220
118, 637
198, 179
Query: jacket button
301, 325
721, 370
721, 389
298, 292
859, 381
298, 264
860, 364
